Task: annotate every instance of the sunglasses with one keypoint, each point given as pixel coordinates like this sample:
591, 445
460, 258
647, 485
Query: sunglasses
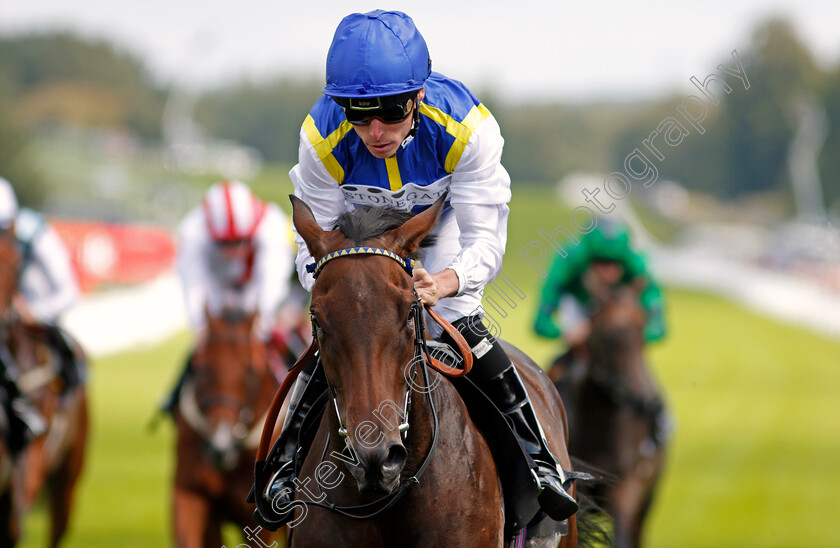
388, 114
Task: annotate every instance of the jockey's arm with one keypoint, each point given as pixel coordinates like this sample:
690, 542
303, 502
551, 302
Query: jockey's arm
50, 252
193, 269
653, 304
650, 296
315, 186
272, 266
479, 194
563, 272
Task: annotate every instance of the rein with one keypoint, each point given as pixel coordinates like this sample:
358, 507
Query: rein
421, 353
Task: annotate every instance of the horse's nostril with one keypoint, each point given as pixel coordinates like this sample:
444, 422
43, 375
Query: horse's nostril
396, 457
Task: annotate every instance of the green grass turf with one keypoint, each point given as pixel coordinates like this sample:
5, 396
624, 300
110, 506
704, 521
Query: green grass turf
755, 460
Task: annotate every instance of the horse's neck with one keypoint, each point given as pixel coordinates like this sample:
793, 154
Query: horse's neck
622, 369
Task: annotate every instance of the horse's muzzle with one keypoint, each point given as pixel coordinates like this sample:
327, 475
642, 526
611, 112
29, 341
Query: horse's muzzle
221, 448
378, 471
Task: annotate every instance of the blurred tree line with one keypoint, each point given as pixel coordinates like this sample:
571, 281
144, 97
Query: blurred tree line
48, 79
55, 79
745, 147
743, 151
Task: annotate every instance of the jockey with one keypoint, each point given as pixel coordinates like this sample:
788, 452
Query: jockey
389, 132
47, 287
604, 257
233, 255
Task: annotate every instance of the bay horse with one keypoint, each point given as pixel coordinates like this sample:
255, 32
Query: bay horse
421, 471
55, 459
616, 413
219, 418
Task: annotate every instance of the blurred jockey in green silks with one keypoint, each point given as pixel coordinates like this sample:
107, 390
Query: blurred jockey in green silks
605, 255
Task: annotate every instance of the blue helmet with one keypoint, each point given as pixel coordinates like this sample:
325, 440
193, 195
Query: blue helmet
376, 54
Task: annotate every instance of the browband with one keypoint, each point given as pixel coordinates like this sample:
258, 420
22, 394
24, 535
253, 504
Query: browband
315, 269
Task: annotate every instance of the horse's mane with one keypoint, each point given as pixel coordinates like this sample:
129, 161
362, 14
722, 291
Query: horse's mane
366, 223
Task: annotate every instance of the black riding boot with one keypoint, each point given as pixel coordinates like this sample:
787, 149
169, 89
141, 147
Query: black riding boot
494, 373
309, 386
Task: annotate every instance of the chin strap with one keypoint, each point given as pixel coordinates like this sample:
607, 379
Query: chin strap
415, 124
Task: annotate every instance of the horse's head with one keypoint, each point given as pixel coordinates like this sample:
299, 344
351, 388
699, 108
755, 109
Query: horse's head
9, 259
616, 342
363, 309
228, 371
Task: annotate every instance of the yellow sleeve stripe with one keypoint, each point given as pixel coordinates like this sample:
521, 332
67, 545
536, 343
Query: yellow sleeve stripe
462, 131
324, 147
393, 168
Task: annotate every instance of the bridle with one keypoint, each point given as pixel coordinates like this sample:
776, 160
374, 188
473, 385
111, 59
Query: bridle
416, 312
193, 406
421, 355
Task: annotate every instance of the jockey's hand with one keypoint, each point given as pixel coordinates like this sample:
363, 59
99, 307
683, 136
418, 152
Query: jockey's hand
22, 309
425, 286
578, 334
433, 287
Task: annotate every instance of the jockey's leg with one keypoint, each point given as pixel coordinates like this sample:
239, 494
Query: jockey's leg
496, 375
25, 421
73, 366
308, 387
170, 403
492, 369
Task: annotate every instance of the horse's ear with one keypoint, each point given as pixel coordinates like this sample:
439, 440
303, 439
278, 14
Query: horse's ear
252, 318
406, 239
307, 227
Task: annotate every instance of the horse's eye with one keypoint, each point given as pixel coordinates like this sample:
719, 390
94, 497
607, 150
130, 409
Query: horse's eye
316, 327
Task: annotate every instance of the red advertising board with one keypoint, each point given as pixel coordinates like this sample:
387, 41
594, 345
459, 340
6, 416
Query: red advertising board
114, 253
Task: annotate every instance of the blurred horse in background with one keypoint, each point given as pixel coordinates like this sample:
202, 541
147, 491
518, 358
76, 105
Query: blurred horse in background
219, 420
617, 419
55, 458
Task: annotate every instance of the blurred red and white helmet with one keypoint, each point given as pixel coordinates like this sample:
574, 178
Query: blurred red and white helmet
8, 204
232, 211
